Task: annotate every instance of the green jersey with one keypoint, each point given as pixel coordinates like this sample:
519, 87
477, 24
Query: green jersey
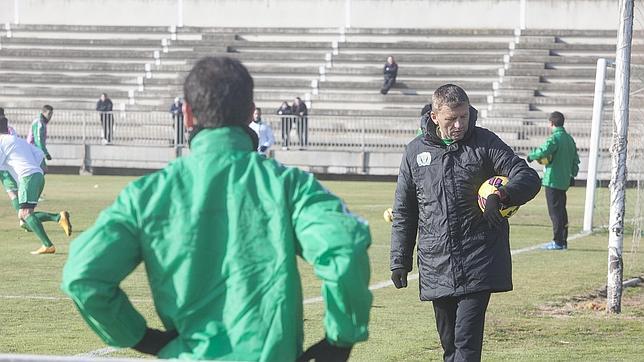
560, 147
38, 134
218, 232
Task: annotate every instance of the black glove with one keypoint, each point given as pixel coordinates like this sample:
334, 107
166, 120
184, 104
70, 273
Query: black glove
48, 157
491, 213
399, 277
153, 340
323, 351
263, 149
572, 181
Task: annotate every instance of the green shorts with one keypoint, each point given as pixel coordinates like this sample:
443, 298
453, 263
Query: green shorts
30, 189
9, 184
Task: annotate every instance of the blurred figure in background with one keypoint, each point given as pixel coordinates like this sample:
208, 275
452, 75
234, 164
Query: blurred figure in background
287, 122
264, 132
390, 72
302, 121
38, 132
561, 165
177, 119
104, 107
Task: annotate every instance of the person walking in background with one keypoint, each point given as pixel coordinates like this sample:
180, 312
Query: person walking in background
219, 231
302, 120
264, 132
463, 253
177, 120
23, 161
390, 72
104, 107
561, 160
287, 122
38, 132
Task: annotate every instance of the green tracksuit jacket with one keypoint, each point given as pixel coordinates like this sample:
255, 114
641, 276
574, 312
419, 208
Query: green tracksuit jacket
218, 232
565, 160
38, 134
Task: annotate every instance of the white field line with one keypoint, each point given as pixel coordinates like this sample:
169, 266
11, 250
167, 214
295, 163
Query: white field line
98, 352
108, 350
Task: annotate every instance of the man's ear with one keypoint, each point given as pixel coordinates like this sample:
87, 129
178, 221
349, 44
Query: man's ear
434, 117
188, 117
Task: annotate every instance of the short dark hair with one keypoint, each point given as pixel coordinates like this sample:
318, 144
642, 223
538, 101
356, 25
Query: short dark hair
220, 92
1, 111
450, 95
258, 109
4, 125
47, 108
557, 119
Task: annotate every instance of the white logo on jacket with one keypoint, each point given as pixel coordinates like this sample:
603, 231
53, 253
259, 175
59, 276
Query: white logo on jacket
424, 159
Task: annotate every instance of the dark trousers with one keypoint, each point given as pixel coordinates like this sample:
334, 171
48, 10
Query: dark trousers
556, 200
303, 130
107, 122
389, 82
287, 124
460, 322
179, 129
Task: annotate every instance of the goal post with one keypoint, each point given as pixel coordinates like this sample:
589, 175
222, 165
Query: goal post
593, 151
618, 157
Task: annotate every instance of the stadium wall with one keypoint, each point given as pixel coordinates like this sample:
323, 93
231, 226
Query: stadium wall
504, 14
136, 160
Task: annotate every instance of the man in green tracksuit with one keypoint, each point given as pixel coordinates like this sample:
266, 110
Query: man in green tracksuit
38, 132
559, 155
218, 232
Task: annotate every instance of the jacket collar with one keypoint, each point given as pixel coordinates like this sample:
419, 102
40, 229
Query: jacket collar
558, 129
429, 127
222, 139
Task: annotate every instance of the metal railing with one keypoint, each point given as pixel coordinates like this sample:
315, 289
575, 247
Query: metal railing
313, 132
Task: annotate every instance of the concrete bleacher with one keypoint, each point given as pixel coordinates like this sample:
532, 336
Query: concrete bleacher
514, 79
550, 70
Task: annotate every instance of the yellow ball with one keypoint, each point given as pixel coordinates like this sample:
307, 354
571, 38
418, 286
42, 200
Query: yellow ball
488, 187
388, 215
545, 160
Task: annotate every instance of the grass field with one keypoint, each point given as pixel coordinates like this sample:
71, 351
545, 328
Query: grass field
549, 316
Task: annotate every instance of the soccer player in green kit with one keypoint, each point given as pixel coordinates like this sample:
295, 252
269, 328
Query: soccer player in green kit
23, 161
219, 232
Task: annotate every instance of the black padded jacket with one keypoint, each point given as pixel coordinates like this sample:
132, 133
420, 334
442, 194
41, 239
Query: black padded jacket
458, 253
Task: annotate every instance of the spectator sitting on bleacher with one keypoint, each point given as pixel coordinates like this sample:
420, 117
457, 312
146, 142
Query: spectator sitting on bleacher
299, 109
390, 71
104, 107
287, 122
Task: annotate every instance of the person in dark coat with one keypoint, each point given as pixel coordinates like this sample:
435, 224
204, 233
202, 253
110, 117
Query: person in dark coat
463, 253
104, 109
302, 120
176, 109
287, 122
390, 72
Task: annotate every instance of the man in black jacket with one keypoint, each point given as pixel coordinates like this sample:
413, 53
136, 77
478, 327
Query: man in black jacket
463, 253
104, 109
